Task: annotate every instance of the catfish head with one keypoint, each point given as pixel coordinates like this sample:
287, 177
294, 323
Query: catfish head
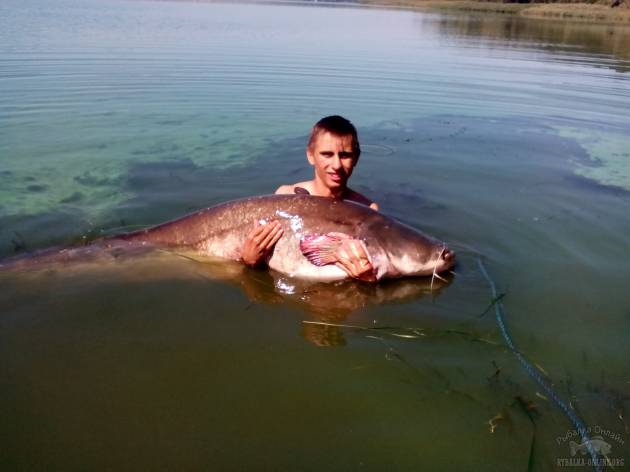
394, 249
398, 250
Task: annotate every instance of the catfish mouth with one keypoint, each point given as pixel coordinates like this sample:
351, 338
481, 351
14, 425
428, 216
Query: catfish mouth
443, 260
440, 259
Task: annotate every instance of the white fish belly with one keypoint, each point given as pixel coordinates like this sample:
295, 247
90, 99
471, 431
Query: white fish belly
289, 260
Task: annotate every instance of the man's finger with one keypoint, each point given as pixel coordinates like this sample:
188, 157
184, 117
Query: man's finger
357, 250
275, 239
258, 228
361, 269
369, 276
264, 232
366, 268
342, 253
344, 268
366, 252
348, 266
359, 261
269, 236
262, 225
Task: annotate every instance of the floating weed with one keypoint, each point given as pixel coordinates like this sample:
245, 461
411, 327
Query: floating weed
392, 355
527, 406
494, 422
529, 409
423, 378
497, 371
378, 338
384, 329
404, 332
493, 302
540, 395
501, 417
540, 368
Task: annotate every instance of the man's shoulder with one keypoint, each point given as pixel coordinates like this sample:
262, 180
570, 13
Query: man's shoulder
362, 199
290, 188
284, 189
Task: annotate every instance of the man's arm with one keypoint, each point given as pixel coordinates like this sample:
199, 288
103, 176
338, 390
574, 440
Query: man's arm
284, 190
261, 239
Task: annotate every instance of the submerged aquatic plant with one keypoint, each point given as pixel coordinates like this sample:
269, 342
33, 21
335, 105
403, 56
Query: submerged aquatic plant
539, 375
406, 332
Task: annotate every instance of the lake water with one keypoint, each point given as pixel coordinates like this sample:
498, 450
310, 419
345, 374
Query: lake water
504, 137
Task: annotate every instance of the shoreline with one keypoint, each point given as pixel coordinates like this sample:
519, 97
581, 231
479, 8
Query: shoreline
600, 13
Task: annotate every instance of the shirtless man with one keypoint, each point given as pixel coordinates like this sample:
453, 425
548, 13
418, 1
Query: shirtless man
333, 150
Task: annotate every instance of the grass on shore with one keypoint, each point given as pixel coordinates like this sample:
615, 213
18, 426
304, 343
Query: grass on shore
582, 12
599, 12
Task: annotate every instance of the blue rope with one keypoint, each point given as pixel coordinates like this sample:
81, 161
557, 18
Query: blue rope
534, 373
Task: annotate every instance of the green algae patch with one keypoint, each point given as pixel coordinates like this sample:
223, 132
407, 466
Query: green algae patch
608, 152
90, 171
34, 186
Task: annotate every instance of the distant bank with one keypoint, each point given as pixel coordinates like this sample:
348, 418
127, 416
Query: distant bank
600, 11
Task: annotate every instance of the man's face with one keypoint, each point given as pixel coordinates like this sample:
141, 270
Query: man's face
333, 159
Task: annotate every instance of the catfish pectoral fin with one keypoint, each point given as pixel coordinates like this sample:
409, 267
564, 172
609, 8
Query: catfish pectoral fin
320, 249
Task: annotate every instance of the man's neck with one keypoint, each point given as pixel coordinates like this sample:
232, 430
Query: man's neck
323, 191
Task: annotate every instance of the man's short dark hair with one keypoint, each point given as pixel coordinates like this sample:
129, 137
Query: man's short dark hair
338, 126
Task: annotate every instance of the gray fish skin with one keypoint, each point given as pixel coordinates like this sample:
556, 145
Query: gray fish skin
396, 250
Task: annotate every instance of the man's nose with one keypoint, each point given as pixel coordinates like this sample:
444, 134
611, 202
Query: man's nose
336, 163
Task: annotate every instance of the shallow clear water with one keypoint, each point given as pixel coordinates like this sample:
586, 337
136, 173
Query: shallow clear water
501, 136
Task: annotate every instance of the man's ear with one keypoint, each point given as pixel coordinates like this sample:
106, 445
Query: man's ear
310, 157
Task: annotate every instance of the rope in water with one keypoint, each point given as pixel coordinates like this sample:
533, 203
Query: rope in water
535, 374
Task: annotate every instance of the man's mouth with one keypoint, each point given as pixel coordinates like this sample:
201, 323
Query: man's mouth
334, 176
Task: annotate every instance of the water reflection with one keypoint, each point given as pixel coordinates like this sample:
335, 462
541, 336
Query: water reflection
327, 305
555, 36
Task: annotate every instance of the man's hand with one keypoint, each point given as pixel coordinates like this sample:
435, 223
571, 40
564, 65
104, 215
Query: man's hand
352, 257
260, 241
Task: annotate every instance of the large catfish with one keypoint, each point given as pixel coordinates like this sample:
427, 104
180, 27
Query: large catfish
313, 229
